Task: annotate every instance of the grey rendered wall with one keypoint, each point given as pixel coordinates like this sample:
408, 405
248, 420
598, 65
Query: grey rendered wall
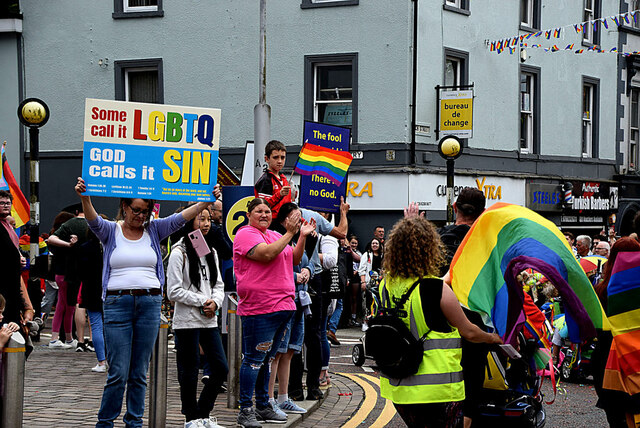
210, 59
496, 77
9, 94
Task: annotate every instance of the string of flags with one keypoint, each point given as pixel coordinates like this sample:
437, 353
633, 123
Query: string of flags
531, 40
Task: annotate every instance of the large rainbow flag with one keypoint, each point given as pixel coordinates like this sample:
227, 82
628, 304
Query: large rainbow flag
329, 163
505, 240
20, 209
622, 372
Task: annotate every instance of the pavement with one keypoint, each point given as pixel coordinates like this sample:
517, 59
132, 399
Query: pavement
62, 391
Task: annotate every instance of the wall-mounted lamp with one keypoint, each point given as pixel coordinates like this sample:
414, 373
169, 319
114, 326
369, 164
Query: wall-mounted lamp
103, 62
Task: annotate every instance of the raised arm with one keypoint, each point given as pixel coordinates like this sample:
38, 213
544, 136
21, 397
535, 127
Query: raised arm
90, 212
306, 229
340, 231
453, 312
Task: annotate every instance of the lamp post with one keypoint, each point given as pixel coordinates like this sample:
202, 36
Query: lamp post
34, 113
450, 148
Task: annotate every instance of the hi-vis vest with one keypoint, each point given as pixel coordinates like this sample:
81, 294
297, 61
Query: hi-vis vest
439, 377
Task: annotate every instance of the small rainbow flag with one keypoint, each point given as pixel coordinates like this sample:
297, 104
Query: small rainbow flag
20, 209
505, 240
329, 163
622, 371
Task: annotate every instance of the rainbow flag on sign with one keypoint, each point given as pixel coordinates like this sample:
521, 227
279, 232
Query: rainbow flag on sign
20, 208
329, 163
622, 371
505, 240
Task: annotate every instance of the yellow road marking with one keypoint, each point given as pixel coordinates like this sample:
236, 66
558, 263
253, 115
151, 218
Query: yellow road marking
388, 412
370, 398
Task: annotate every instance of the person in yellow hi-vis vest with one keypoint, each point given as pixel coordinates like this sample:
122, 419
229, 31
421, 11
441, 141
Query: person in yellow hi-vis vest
433, 396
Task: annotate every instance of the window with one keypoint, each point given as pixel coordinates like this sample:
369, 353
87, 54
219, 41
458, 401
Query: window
529, 15
529, 109
589, 117
455, 67
331, 90
634, 130
459, 6
590, 13
139, 80
308, 4
635, 6
137, 8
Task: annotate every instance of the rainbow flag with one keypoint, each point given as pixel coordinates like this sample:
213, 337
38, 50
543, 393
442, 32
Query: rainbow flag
505, 240
622, 371
20, 209
329, 163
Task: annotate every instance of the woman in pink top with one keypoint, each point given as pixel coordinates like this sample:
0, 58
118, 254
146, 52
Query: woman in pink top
263, 264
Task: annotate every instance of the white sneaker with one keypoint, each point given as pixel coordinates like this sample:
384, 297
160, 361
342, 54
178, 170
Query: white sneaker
100, 368
210, 422
365, 326
196, 423
72, 344
57, 344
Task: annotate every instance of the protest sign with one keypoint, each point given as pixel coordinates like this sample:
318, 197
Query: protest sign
234, 216
150, 151
317, 192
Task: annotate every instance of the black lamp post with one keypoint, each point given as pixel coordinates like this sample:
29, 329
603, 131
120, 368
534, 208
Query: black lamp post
34, 113
450, 148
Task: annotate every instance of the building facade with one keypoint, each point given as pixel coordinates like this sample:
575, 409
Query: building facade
542, 117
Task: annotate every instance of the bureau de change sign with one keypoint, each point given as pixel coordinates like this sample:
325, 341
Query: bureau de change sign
456, 113
151, 151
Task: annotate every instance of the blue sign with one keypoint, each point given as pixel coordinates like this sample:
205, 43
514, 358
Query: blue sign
316, 192
234, 216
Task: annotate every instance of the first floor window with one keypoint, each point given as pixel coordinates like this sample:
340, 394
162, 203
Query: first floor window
140, 5
526, 13
452, 71
634, 130
139, 81
587, 120
331, 89
137, 8
527, 88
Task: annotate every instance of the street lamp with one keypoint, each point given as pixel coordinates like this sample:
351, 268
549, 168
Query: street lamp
34, 113
450, 148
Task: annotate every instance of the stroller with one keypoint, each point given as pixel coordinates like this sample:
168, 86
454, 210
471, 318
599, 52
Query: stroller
512, 396
371, 303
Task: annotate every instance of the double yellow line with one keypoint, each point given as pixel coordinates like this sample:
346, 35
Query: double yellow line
369, 403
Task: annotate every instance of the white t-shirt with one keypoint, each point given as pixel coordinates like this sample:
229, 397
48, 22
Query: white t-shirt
133, 263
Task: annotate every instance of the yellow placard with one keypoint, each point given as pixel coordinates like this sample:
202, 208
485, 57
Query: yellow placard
456, 113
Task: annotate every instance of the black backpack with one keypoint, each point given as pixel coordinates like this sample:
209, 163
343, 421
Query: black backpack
395, 350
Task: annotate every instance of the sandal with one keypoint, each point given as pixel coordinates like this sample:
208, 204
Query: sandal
324, 381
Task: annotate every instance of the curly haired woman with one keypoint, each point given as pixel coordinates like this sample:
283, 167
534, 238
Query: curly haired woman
433, 396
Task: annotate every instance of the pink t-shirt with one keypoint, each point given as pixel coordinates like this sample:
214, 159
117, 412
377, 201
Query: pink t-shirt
263, 288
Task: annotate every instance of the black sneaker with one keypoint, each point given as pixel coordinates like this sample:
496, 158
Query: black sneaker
270, 415
247, 418
315, 394
81, 347
296, 395
90, 347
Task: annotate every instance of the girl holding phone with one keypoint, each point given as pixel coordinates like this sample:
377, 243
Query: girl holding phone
195, 285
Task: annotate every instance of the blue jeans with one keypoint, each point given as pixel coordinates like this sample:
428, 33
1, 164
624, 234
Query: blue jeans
131, 326
97, 333
335, 317
259, 332
187, 356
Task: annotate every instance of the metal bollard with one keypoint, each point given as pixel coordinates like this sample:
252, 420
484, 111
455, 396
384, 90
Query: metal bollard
234, 351
158, 377
13, 358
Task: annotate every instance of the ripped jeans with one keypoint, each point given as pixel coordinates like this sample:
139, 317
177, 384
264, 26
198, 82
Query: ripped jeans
259, 332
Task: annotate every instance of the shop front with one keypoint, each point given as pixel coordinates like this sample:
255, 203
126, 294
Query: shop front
546, 199
589, 207
378, 199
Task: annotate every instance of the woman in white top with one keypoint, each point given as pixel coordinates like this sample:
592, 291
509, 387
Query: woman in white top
195, 285
132, 280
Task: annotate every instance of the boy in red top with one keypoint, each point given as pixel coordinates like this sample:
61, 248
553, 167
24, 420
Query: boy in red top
272, 185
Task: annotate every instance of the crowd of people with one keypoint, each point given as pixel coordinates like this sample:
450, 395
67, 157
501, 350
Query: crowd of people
299, 277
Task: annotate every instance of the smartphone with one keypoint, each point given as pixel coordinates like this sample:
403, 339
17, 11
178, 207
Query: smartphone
199, 244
